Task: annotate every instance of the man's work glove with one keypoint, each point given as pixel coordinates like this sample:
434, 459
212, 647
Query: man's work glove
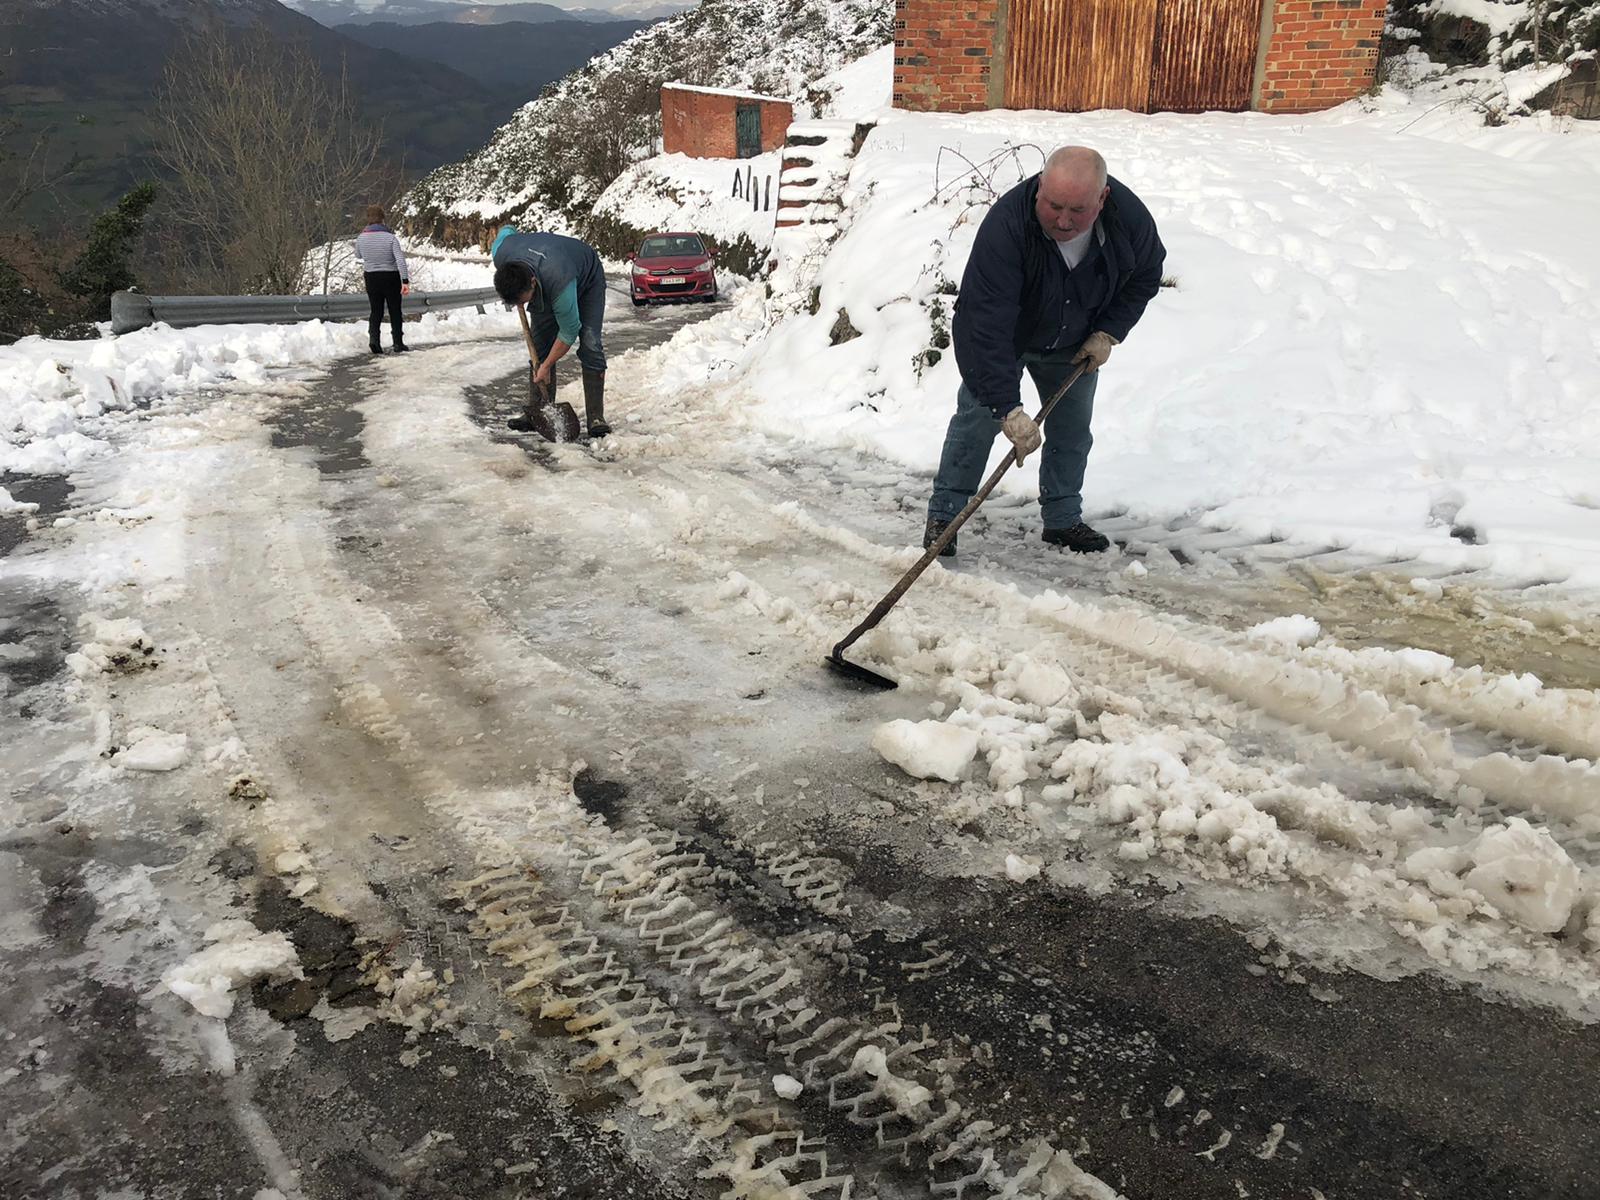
1095, 350
1023, 431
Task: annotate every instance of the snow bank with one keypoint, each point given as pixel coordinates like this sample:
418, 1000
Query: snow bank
54, 394
238, 953
1135, 777
926, 749
861, 90
1380, 335
674, 191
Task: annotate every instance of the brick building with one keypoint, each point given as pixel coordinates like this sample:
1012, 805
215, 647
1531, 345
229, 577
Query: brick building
1144, 55
715, 123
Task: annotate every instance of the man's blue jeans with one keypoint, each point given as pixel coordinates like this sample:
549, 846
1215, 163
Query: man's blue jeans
591, 314
1066, 446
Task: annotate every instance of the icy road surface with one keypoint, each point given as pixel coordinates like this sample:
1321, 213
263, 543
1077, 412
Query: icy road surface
397, 808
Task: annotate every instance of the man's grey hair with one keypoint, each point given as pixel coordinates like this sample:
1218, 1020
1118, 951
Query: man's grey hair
1079, 161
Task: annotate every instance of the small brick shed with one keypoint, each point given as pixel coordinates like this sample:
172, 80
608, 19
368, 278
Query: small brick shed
715, 123
1145, 55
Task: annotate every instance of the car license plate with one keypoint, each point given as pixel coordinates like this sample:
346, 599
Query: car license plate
672, 279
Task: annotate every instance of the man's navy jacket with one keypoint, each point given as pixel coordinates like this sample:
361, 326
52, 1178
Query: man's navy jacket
1018, 297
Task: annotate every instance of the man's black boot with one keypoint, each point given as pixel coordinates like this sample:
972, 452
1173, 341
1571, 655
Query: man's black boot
931, 534
374, 347
594, 403
1079, 538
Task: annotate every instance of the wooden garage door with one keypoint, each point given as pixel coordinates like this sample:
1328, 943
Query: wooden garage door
1073, 55
1181, 55
1205, 55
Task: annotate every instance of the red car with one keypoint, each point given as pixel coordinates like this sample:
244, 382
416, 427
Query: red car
673, 266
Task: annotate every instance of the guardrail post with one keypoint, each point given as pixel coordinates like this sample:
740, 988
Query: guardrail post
130, 311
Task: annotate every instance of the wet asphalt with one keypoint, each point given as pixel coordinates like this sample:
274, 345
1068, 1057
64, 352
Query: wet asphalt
1094, 1011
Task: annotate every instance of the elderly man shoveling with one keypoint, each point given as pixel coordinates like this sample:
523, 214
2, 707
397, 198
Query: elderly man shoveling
1062, 269
559, 288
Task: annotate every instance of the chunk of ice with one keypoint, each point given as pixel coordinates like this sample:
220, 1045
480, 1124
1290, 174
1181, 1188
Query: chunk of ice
1525, 874
927, 749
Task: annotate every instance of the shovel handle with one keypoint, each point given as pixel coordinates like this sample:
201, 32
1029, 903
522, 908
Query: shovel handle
945, 538
542, 390
527, 335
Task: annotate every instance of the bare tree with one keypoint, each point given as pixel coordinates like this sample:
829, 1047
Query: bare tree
382, 182
29, 171
267, 160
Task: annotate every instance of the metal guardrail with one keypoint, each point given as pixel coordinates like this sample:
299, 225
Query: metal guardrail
134, 310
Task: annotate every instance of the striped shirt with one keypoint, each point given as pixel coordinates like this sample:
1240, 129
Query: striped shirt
378, 249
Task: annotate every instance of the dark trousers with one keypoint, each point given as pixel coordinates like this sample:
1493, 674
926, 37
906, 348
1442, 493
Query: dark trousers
973, 429
383, 287
591, 317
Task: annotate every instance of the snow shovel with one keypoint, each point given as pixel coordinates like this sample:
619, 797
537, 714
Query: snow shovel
564, 427
861, 675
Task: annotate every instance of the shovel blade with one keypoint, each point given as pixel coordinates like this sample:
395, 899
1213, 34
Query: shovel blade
860, 676
565, 420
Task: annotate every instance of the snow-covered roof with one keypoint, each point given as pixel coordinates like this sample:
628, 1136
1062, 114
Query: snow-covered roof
689, 87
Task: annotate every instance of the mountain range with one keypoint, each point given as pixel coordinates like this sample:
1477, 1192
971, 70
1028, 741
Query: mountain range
83, 75
335, 13
518, 56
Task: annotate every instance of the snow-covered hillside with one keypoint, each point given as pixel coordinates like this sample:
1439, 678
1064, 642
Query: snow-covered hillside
1381, 333
674, 191
559, 152
1497, 57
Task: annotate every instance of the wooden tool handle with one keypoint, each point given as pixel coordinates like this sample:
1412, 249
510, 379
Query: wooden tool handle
527, 335
944, 539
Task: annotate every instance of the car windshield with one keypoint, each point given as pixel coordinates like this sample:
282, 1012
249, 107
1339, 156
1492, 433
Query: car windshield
676, 245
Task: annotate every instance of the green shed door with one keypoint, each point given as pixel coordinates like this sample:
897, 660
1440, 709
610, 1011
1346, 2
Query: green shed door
747, 130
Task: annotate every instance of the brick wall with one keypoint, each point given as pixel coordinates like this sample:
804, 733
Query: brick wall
1319, 53
944, 52
701, 123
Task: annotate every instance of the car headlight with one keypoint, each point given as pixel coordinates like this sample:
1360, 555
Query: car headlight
705, 266
638, 270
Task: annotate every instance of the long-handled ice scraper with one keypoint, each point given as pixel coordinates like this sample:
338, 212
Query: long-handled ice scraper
862, 675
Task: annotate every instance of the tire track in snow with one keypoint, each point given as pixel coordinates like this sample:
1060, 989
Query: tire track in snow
1337, 723
368, 703
453, 639
1402, 732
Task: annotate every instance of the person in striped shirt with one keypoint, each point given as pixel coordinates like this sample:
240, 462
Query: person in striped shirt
383, 263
